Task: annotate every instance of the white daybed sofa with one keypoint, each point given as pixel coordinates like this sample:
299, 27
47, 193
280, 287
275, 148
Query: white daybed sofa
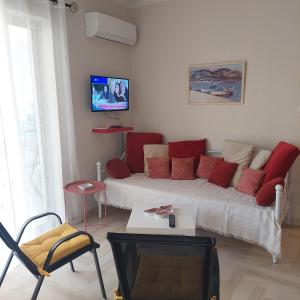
225, 211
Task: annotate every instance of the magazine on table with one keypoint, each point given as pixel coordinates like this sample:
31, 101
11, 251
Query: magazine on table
86, 186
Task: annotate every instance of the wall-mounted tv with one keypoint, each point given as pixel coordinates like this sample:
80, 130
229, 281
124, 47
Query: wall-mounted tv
109, 93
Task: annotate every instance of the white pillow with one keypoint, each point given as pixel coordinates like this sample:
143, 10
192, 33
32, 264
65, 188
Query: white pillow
240, 153
260, 157
154, 151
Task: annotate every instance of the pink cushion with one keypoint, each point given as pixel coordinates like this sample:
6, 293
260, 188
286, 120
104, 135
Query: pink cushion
281, 160
251, 181
159, 167
186, 149
223, 173
182, 168
117, 168
206, 165
134, 149
266, 195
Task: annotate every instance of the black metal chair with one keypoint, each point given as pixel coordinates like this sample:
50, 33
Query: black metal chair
164, 267
68, 245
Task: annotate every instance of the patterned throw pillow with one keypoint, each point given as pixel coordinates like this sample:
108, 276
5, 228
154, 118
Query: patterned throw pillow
154, 151
266, 195
251, 181
239, 153
134, 148
183, 168
159, 167
117, 168
223, 173
187, 149
281, 160
207, 165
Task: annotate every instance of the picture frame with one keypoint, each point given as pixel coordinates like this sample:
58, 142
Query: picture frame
217, 83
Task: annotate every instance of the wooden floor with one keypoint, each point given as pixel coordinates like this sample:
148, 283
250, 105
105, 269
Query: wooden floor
247, 272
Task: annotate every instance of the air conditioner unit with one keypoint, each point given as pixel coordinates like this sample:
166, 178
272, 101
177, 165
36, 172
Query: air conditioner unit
110, 28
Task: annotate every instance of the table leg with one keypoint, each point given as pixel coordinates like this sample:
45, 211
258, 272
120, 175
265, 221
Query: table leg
99, 210
84, 212
65, 200
105, 207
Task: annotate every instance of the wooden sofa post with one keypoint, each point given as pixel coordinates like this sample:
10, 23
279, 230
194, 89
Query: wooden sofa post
278, 210
288, 195
278, 202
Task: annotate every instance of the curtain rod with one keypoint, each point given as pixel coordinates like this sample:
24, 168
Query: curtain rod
73, 6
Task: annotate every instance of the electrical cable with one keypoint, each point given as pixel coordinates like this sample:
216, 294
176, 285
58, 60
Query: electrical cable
115, 116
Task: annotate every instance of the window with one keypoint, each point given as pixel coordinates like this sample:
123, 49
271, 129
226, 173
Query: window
22, 172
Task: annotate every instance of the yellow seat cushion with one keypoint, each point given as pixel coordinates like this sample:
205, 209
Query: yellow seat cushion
38, 249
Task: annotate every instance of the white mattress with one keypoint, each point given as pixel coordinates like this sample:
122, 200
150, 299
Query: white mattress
225, 211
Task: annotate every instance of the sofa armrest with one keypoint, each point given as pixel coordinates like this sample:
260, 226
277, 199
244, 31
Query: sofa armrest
279, 205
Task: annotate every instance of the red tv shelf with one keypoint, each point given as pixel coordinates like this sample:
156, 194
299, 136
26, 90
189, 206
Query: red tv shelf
111, 130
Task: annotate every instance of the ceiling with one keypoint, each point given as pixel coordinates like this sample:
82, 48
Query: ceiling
137, 3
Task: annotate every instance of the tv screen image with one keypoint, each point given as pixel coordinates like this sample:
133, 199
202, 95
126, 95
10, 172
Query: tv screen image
109, 93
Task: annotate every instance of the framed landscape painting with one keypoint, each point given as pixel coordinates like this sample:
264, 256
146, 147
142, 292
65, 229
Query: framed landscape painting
217, 83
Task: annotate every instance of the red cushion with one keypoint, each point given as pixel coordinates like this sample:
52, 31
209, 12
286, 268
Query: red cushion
266, 195
251, 181
223, 173
282, 158
184, 149
207, 165
159, 167
183, 168
135, 151
117, 168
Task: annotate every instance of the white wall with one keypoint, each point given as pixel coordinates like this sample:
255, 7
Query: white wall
99, 57
94, 57
175, 34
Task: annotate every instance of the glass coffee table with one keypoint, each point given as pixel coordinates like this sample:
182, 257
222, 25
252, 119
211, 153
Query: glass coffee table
143, 223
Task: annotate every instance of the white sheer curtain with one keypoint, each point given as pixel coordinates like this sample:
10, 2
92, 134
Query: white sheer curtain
67, 133
37, 142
